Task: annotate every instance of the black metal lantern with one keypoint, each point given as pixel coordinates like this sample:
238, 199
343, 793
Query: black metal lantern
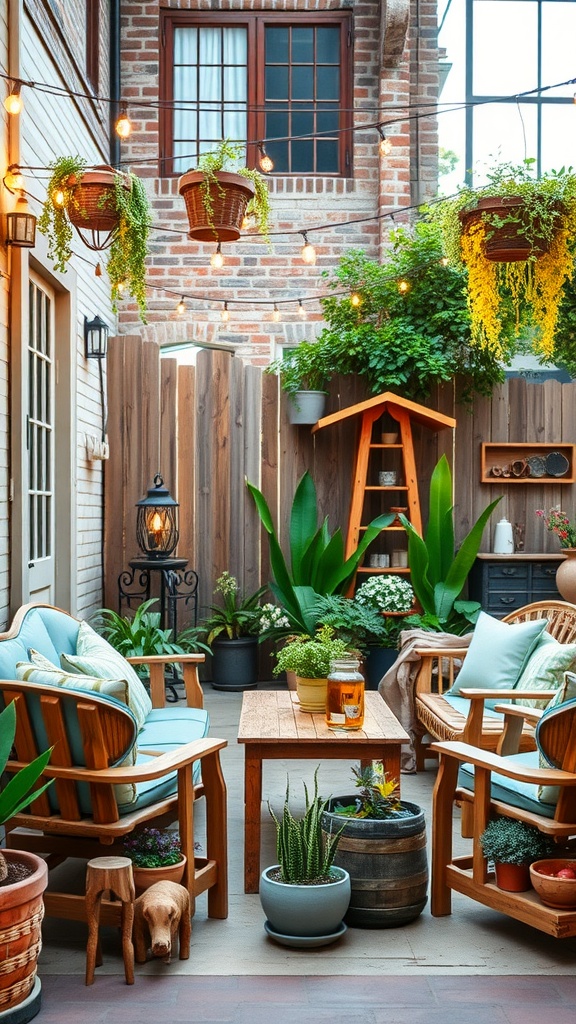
157, 521
21, 225
95, 338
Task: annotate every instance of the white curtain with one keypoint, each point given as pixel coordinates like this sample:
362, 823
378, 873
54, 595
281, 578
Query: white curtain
210, 90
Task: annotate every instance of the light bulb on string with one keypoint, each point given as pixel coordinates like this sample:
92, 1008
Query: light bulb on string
13, 102
58, 197
275, 314
14, 179
385, 143
355, 299
217, 259
225, 314
121, 288
308, 252
123, 126
403, 287
181, 307
301, 310
266, 162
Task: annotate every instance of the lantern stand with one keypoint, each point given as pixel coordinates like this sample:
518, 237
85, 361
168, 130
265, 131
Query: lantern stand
157, 535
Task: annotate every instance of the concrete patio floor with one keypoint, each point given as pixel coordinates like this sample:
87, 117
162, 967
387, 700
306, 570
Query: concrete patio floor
415, 966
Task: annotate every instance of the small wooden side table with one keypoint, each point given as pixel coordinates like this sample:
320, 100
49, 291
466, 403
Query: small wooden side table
114, 874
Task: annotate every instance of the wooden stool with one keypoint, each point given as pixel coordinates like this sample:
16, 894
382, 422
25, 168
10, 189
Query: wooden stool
115, 874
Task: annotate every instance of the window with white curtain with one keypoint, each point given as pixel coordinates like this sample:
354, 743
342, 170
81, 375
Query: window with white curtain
284, 80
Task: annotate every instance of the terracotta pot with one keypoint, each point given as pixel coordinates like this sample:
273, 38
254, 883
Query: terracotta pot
145, 877
229, 201
505, 244
94, 205
566, 575
21, 913
512, 877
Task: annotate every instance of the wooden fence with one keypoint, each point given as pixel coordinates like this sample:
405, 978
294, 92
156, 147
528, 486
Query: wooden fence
208, 428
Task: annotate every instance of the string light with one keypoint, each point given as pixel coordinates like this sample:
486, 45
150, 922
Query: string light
385, 143
403, 287
275, 313
217, 259
355, 299
181, 307
13, 102
14, 179
225, 315
58, 197
123, 126
301, 310
121, 287
308, 252
266, 162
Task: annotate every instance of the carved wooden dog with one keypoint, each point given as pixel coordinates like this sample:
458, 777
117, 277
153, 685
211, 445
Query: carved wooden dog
160, 913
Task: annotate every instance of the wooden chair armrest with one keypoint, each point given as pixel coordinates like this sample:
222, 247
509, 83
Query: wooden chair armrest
518, 710
429, 659
157, 664
167, 659
445, 652
466, 753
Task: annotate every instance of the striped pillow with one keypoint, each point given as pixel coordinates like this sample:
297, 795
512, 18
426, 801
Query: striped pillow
545, 670
96, 657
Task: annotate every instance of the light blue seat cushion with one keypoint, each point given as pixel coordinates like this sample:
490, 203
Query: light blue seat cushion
166, 729
46, 630
519, 794
462, 705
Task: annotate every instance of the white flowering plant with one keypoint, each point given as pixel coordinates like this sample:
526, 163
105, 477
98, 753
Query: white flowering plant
273, 621
387, 593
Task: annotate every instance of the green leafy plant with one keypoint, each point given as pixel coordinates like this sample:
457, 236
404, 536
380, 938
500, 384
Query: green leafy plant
303, 854
126, 262
357, 624
378, 796
227, 157
310, 656
508, 841
139, 635
303, 368
556, 521
437, 572
20, 790
317, 563
153, 848
237, 616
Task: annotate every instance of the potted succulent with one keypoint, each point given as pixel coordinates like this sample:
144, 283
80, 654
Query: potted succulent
156, 857
220, 193
382, 842
99, 199
309, 658
304, 896
304, 375
513, 845
231, 632
23, 879
514, 236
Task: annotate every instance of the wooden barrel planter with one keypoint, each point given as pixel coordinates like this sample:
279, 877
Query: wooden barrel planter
229, 197
387, 863
505, 244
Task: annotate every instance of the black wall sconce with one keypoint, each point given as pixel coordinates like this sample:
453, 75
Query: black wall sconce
95, 338
21, 225
157, 521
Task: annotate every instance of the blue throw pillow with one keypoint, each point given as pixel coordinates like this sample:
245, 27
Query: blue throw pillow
497, 653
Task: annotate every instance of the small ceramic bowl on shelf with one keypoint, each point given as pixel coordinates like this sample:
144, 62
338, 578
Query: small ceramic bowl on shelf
555, 891
389, 438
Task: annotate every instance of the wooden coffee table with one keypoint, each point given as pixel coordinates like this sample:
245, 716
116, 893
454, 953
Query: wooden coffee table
272, 726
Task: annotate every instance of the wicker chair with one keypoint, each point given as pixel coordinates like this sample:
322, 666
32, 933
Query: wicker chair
437, 720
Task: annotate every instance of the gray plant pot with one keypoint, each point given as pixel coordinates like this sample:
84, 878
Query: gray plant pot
305, 910
306, 406
235, 663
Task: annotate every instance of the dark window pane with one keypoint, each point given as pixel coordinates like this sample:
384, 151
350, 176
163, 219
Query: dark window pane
326, 156
328, 83
302, 156
277, 125
277, 45
327, 121
302, 83
302, 45
328, 45
276, 83
279, 153
302, 124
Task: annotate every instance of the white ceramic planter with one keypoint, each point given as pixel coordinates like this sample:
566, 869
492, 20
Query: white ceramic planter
306, 406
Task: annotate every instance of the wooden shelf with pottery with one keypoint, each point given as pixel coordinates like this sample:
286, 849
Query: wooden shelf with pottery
527, 463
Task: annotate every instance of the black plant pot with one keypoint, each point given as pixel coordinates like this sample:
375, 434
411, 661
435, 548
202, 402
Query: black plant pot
378, 661
235, 663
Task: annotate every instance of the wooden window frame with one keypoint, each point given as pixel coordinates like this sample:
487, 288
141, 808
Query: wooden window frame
93, 42
256, 23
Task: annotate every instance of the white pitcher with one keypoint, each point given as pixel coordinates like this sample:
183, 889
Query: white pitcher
503, 538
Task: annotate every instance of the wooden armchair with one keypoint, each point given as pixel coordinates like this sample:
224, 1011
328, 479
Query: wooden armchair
86, 813
492, 784
438, 720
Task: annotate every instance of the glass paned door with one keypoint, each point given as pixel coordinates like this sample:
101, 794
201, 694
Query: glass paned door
40, 441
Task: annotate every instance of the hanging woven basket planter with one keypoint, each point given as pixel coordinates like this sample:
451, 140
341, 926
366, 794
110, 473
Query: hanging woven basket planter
506, 242
228, 199
93, 206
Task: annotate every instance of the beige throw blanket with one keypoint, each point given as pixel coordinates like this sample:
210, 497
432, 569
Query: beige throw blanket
397, 686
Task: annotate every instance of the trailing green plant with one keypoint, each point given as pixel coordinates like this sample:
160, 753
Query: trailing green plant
153, 848
304, 855
20, 790
508, 841
310, 656
303, 368
238, 615
318, 566
378, 797
439, 573
226, 157
126, 260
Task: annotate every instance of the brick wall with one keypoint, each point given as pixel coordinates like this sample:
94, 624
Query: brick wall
251, 271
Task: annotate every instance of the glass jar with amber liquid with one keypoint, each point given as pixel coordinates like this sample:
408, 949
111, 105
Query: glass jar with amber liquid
345, 695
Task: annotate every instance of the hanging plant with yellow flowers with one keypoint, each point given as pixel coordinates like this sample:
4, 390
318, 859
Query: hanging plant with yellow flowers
535, 222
